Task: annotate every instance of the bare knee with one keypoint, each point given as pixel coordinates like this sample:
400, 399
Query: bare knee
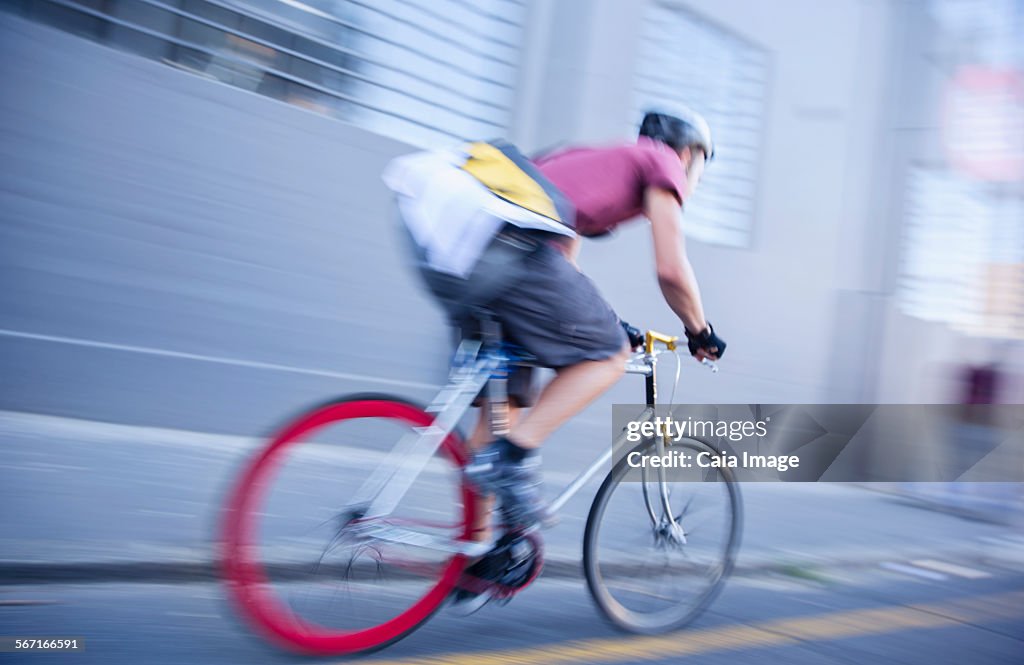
614, 366
617, 363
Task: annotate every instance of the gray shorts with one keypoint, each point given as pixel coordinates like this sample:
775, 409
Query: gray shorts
543, 304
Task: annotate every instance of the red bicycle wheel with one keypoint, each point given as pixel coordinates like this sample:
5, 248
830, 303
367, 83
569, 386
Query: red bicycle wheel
268, 532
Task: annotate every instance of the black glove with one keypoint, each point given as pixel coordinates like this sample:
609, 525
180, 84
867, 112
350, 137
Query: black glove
635, 335
707, 340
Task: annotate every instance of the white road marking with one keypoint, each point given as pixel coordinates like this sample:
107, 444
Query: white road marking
220, 360
951, 568
169, 513
911, 570
197, 615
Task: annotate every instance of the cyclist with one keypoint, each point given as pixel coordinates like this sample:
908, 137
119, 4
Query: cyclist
491, 228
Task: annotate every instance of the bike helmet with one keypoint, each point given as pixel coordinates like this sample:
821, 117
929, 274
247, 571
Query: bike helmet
679, 127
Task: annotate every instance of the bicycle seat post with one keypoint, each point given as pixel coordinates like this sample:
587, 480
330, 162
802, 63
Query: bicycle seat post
497, 386
490, 329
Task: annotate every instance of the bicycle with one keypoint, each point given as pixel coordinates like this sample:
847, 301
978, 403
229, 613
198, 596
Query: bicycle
396, 562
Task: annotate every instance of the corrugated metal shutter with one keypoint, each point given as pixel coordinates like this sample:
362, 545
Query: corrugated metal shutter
685, 59
428, 72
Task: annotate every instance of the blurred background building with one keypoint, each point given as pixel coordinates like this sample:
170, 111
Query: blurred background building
194, 233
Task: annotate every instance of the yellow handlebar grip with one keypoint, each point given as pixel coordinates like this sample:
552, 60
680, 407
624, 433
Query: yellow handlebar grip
651, 337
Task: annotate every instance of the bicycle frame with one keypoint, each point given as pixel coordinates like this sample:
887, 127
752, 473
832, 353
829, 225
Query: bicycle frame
472, 369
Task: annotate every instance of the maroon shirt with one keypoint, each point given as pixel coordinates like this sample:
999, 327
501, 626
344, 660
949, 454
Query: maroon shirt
607, 184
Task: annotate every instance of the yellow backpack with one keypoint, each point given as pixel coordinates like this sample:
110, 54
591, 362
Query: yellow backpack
509, 175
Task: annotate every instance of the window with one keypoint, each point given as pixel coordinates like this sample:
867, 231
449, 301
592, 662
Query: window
427, 72
963, 255
684, 59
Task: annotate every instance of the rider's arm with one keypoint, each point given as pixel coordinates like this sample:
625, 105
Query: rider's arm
675, 275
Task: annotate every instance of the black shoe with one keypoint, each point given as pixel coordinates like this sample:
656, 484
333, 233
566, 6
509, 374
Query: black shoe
510, 563
488, 568
516, 482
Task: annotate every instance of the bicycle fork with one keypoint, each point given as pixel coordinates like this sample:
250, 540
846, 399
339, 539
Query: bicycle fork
666, 529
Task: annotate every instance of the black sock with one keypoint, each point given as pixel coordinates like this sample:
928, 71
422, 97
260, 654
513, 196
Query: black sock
513, 452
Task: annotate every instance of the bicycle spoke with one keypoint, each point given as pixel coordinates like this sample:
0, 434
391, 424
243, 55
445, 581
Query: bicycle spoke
651, 576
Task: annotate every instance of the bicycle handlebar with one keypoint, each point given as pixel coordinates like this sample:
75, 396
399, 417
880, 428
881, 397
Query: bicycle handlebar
638, 338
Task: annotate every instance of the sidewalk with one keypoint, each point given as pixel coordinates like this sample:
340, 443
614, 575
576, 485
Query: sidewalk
88, 501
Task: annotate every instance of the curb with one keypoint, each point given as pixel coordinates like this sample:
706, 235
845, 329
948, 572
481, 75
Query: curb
191, 572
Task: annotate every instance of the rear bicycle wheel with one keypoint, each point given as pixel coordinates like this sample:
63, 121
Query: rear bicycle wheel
643, 576
300, 571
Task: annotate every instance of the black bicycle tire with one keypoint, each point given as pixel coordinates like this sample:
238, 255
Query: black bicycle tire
597, 507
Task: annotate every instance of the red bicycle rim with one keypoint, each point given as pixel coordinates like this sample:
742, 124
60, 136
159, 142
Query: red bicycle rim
247, 580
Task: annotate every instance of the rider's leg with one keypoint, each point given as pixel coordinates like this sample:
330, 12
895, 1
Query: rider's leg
480, 437
508, 468
572, 389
